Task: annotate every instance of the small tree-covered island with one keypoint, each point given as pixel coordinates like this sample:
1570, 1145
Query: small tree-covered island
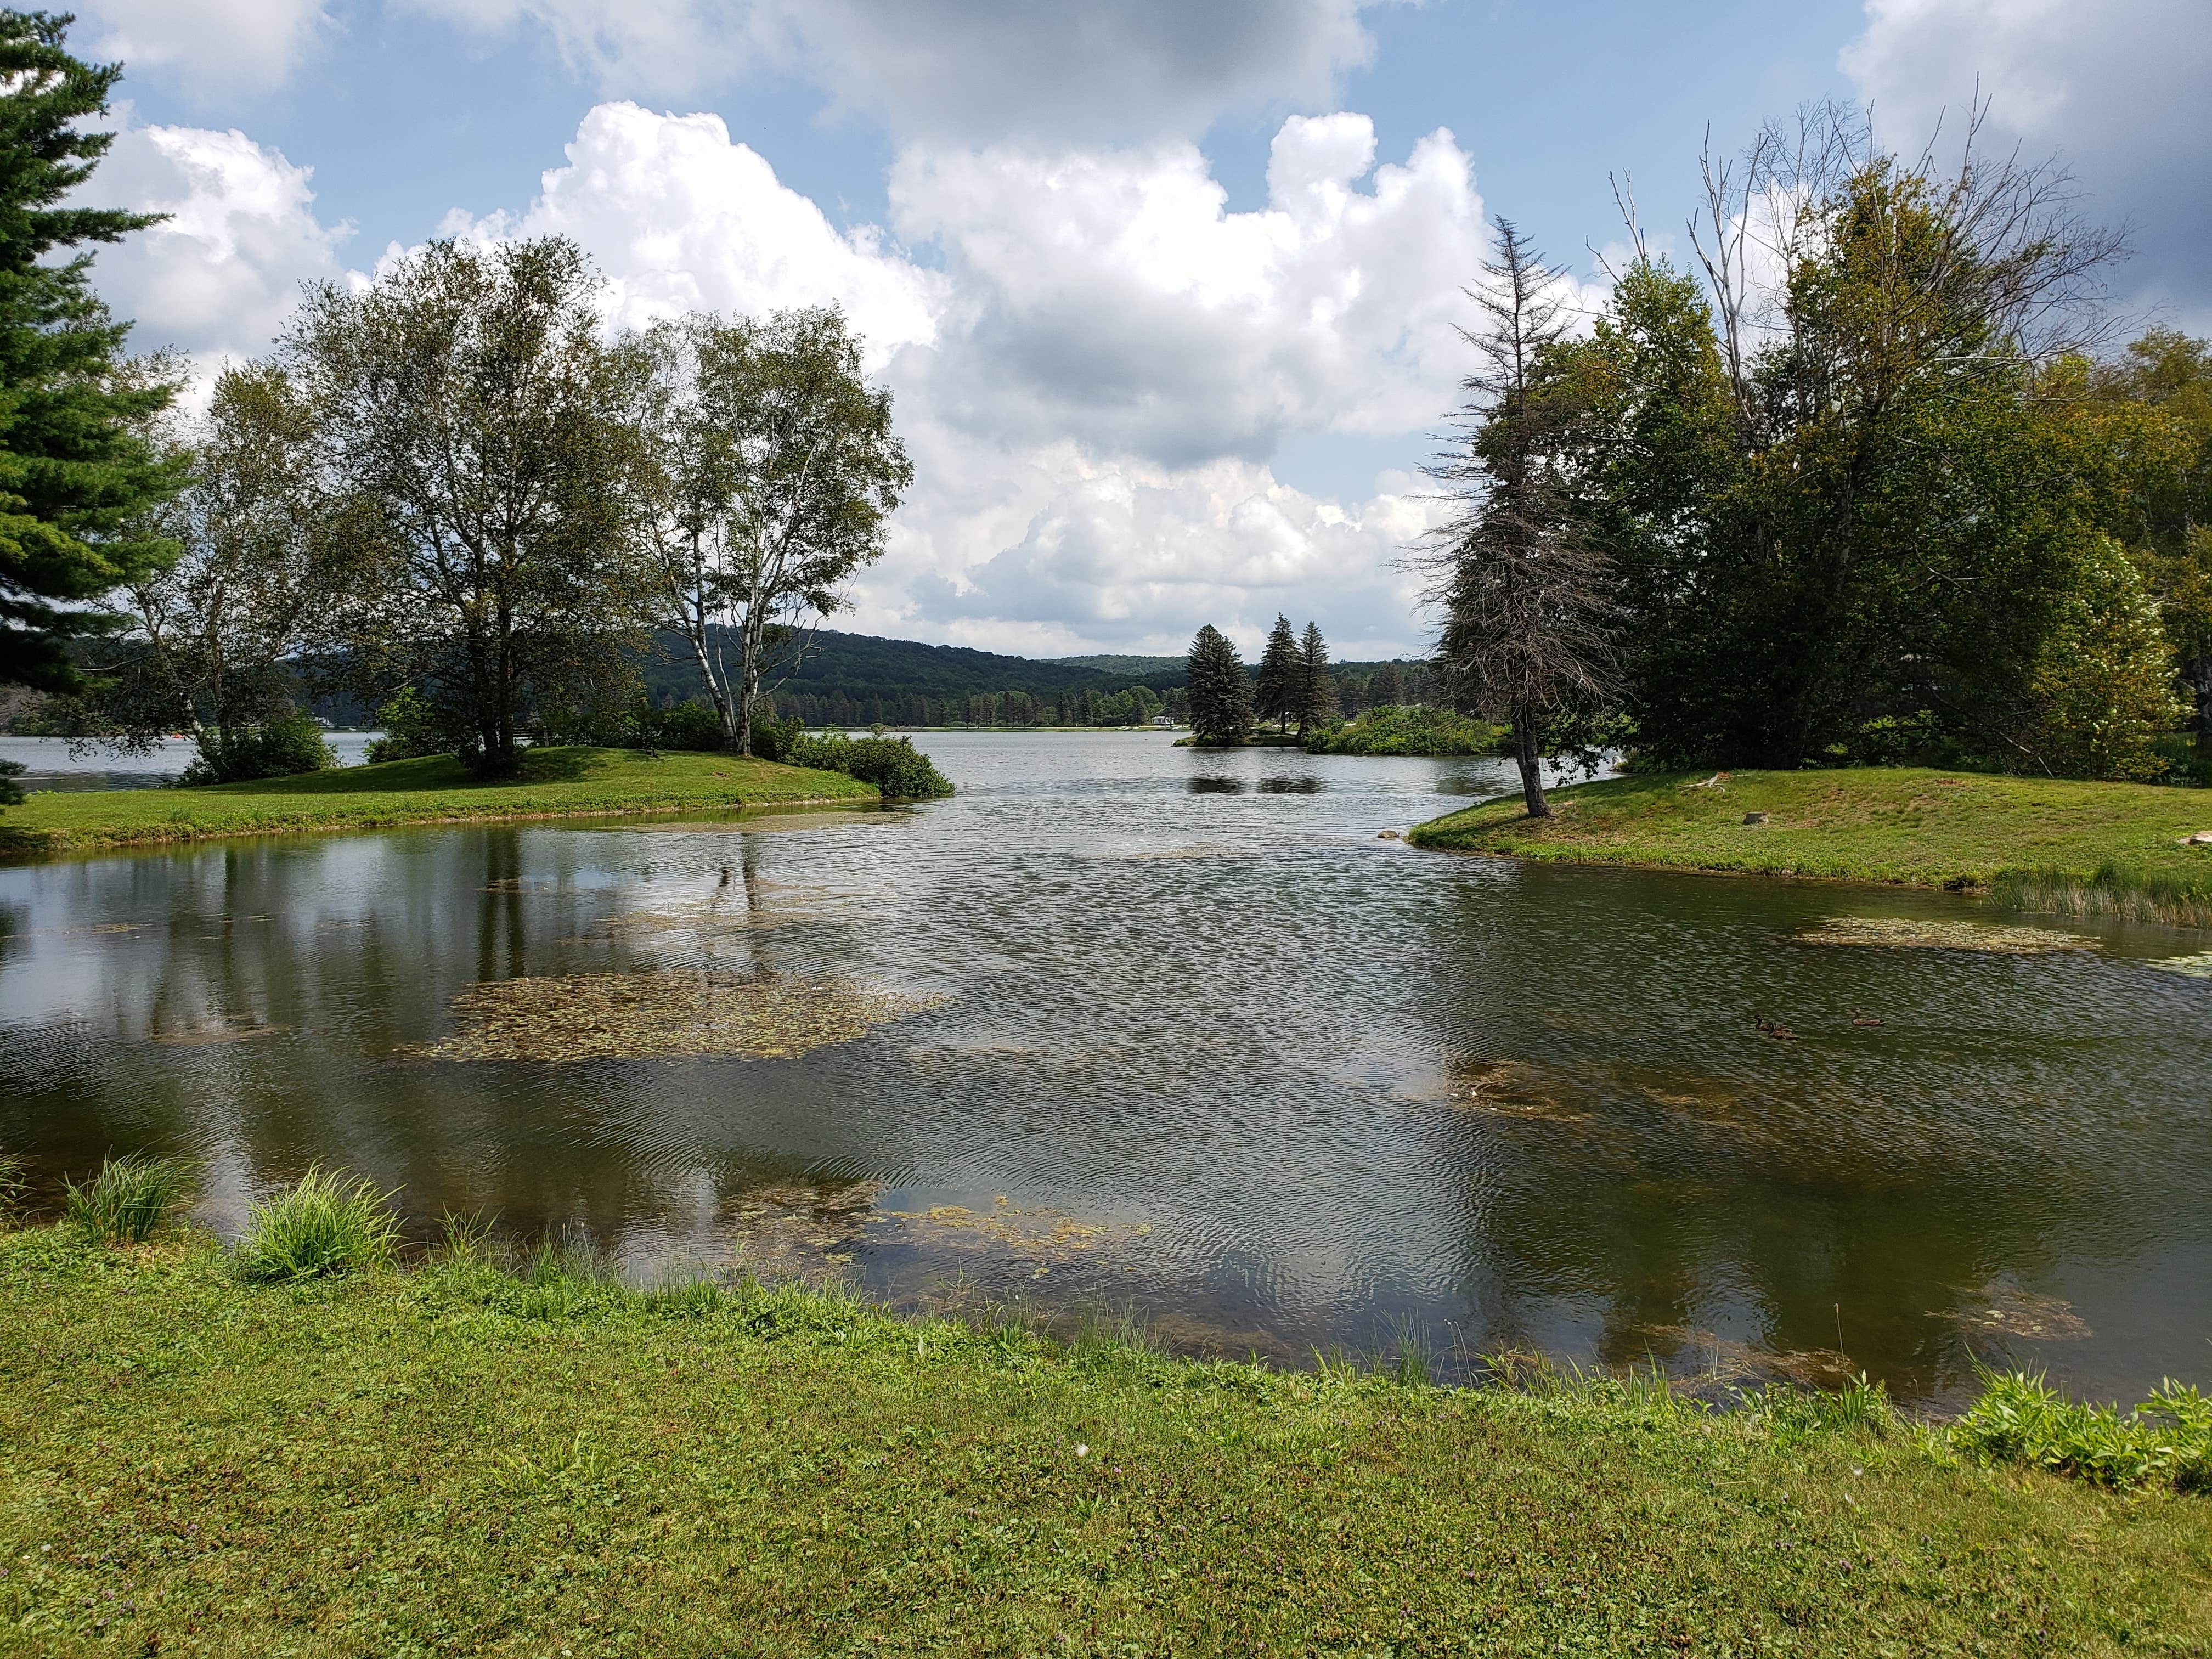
701, 953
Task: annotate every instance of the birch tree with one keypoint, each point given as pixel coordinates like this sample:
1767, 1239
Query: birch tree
768, 480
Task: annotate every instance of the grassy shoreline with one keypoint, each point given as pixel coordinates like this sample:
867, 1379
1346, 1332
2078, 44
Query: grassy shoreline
464, 1457
556, 783
2059, 846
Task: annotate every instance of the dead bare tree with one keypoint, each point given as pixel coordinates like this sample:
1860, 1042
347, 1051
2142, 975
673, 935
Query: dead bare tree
1527, 636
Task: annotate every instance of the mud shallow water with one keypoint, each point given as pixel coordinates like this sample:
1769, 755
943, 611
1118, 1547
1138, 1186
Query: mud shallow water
1188, 1038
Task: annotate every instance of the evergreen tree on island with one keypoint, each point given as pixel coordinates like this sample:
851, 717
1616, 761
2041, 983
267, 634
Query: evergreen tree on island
1220, 694
77, 474
1316, 687
1278, 696
1388, 688
1528, 623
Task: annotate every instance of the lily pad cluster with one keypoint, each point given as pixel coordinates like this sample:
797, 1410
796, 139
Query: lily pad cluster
666, 1015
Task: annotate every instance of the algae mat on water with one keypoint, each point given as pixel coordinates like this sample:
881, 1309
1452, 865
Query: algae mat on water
667, 1015
1927, 933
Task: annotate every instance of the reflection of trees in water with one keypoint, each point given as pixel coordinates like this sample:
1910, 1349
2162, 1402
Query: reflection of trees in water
1206, 786
1684, 1186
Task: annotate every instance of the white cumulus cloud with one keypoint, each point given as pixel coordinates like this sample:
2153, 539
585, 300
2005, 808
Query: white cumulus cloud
679, 218
222, 274
1111, 295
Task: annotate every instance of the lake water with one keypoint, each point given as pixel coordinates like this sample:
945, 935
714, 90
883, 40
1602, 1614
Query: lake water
1203, 1046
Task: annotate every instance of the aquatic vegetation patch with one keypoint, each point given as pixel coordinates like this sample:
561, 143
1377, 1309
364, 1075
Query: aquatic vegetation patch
1037, 1235
1709, 1356
1515, 1088
1930, 933
2003, 1309
2196, 967
666, 1015
128, 1199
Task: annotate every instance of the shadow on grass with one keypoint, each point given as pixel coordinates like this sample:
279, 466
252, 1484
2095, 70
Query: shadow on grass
433, 772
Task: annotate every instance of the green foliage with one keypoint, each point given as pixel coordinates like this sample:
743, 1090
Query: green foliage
1793, 1414
128, 1199
1316, 686
280, 748
76, 473
1390, 730
11, 793
894, 765
15, 1186
2166, 1441
325, 1225
1220, 691
1276, 692
412, 729
1881, 532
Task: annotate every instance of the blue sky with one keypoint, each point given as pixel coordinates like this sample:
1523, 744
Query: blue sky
1165, 292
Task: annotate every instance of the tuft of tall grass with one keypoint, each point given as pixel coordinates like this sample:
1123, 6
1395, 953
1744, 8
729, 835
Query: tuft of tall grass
129, 1198
15, 1187
325, 1225
2166, 1441
1794, 1413
2131, 892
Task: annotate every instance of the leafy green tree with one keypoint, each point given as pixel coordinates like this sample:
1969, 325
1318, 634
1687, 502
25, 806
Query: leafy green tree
1844, 489
78, 473
212, 644
768, 482
1524, 583
1316, 686
1220, 692
473, 431
1277, 696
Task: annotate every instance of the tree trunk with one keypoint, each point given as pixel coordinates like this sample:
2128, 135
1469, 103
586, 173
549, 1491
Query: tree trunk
1531, 765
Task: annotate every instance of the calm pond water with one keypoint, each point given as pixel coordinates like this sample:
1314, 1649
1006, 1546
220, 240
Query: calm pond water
1205, 1048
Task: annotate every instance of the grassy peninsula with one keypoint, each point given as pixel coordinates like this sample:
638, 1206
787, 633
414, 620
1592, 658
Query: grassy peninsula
2049, 844
465, 1457
575, 782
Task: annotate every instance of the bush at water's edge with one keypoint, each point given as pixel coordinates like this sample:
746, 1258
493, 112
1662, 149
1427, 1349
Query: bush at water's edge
1392, 729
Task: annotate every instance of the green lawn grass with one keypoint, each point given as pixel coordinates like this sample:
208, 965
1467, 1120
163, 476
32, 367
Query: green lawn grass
456, 1459
555, 783
2045, 844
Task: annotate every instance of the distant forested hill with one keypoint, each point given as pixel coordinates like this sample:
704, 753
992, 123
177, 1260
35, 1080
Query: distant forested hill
856, 678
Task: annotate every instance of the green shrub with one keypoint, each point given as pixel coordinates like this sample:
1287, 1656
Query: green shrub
894, 765
412, 730
11, 793
1391, 729
128, 1199
2166, 1441
325, 1225
280, 748
692, 727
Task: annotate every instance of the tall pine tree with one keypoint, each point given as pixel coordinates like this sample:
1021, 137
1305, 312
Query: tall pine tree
1316, 686
76, 473
1220, 694
1278, 694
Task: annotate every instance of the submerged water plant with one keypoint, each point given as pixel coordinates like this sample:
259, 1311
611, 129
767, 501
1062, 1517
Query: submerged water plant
325, 1225
662, 1016
128, 1199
